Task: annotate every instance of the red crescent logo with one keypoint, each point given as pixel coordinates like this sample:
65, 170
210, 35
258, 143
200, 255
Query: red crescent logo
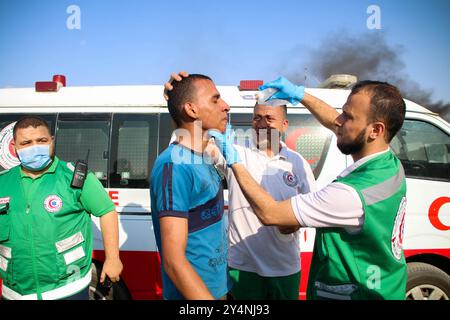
433, 213
53, 203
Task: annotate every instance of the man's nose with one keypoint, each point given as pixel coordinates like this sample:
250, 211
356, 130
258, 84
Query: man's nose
338, 121
226, 107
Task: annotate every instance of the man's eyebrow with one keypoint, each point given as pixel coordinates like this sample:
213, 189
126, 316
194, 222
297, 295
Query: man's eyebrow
345, 112
216, 96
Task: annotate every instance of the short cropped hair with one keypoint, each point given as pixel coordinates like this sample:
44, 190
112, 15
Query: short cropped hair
30, 121
282, 106
386, 105
182, 92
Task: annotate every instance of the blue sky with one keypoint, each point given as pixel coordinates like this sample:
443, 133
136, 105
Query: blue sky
141, 42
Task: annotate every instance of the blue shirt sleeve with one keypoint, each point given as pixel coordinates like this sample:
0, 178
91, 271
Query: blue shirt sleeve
170, 190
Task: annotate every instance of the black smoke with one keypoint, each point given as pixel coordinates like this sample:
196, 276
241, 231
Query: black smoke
369, 56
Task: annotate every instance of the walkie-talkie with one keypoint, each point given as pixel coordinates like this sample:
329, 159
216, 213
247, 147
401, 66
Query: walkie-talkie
80, 173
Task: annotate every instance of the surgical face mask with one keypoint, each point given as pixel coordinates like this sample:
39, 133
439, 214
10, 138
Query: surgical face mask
35, 158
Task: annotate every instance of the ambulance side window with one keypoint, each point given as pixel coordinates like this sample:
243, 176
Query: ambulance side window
242, 126
166, 127
134, 149
8, 157
78, 133
424, 150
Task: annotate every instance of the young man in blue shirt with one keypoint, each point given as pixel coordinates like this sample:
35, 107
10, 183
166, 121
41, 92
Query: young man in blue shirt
187, 196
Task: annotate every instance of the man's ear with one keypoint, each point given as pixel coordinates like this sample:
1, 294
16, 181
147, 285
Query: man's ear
191, 110
285, 124
52, 147
378, 130
13, 144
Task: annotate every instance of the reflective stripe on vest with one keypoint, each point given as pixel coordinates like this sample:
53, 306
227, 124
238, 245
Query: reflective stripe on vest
59, 293
385, 189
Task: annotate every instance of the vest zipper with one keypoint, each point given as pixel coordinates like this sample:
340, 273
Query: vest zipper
33, 256
30, 232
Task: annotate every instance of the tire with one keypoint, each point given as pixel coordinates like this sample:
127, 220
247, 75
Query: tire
97, 291
426, 282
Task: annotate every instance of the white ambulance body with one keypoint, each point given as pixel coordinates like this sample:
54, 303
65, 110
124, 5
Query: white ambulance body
126, 127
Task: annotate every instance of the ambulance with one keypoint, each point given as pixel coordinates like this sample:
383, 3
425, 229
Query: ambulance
124, 128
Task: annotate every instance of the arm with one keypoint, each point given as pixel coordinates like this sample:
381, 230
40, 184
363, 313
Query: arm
336, 205
308, 184
97, 202
269, 211
322, 111
174, 233
288, 91
110, 233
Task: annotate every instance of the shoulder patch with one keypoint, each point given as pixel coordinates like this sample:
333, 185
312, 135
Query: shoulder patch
290, 179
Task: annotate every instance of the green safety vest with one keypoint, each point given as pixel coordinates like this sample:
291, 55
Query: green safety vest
369, 264
45, 236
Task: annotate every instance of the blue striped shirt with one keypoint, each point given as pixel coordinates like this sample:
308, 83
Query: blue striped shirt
183, 186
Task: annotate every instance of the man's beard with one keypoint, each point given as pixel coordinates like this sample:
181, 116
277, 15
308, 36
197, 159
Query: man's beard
355, 146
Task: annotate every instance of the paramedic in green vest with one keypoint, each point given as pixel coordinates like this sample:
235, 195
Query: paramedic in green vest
45, 224
359, 216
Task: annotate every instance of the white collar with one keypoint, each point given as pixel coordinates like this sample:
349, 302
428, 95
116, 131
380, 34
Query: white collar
361, 161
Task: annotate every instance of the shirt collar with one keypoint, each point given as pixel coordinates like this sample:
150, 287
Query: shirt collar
179, 145
51, 169
360, 162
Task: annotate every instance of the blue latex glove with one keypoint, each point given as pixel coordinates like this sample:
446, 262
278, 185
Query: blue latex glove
225, 143
286, 90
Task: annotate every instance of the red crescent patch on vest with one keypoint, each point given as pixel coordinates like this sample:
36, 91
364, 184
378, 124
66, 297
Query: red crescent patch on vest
397, 232
53, 203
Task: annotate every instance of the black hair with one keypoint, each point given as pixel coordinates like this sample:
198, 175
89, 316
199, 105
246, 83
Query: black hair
183, 91
30, 121
386, 105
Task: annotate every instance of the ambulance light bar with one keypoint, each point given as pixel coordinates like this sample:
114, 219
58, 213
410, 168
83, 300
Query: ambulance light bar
51, 86
250, 85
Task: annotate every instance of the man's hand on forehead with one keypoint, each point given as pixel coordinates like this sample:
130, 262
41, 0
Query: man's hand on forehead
173, 77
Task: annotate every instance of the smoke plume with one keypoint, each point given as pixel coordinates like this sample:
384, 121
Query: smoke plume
369, 56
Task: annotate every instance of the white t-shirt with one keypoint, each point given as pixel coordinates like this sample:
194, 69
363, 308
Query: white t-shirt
254, 247
336, 205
